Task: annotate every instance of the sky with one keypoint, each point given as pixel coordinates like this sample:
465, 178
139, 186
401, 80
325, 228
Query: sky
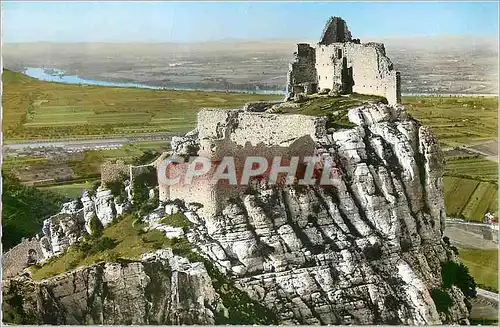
121, 21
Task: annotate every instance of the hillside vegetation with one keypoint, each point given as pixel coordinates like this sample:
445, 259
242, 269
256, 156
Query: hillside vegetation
124, 239
23, 210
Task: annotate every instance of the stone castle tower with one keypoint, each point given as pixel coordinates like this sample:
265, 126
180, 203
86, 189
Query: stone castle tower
343, 65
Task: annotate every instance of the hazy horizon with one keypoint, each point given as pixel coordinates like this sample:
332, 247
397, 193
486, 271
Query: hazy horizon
265, 40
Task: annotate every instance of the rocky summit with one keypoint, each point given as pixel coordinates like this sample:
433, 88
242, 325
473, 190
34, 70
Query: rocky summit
366, 250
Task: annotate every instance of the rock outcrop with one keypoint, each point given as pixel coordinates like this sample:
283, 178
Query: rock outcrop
66, 228
367, 249
160, 289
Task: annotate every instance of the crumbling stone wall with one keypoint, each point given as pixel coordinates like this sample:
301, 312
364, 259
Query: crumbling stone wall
301, 76
16, 260
242, 134
113, 171
335, 31
345, 65
137, 182
359, 68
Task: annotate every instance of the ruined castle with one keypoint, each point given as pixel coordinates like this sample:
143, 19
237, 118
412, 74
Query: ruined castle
337, 64
367, 249
343, 65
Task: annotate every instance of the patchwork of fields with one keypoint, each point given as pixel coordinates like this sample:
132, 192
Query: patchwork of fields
45, 110
456, 120
470, 187
483, 266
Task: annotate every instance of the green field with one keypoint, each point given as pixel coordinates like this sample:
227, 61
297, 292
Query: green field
45, 110
73, 190
21, 162
483, 266
473, 168
470, 187
456, 120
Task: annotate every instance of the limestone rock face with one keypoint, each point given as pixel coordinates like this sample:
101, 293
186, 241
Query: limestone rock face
62, 230
160, 289
104, 206
366, 249
74, 221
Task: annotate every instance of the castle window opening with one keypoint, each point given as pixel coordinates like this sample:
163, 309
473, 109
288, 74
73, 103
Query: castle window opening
339, 53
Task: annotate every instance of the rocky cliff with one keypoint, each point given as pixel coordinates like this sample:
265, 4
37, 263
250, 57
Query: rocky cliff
366, 250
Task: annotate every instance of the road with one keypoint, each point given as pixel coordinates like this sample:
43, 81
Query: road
466, 239
486, 155
461, 237
487, 149
95, 143
487, 294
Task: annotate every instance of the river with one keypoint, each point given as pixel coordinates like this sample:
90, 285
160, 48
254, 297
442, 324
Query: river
58, 75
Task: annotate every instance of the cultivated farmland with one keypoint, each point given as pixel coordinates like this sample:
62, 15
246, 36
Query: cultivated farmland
470, 187
456, 120
483, 266
47, 110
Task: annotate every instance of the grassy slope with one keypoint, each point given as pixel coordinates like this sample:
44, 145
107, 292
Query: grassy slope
483, 266
35, 109
131, 242
73, 190
334, 108
23, 210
